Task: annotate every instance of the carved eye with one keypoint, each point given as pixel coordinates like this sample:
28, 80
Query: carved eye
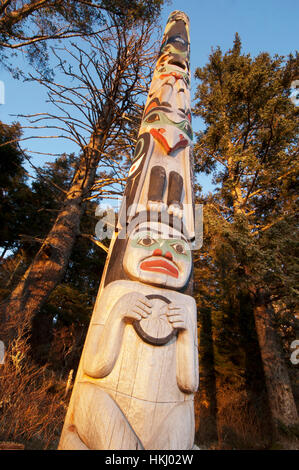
154, 117
179, 248
146, 241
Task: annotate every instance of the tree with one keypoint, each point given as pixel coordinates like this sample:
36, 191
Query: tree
118, 61
251, 146
233, 397
15, 195
29, 25
207, 400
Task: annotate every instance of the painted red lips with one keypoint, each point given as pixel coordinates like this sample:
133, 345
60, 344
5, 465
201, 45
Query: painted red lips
160, 266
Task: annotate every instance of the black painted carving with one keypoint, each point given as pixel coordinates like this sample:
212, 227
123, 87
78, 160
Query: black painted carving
157, 183
175, 188
156, 341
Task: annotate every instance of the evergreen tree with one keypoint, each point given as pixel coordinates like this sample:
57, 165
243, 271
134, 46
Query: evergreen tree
250, 144
15, 195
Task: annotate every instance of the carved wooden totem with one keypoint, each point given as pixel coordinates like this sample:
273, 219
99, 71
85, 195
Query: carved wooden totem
138, 371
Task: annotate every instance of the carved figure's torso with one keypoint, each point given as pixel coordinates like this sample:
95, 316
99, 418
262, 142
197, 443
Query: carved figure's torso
143, 380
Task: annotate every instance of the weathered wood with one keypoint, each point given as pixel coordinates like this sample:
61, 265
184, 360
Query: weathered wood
139, 368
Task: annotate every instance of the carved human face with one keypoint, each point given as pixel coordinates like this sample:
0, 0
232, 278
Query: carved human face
157, 254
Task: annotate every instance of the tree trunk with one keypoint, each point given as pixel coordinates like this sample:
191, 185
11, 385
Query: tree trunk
50, 263
281, 399
280, 395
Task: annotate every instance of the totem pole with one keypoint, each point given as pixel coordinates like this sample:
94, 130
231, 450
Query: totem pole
138, 372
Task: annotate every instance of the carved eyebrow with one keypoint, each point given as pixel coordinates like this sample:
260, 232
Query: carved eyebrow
182, 115
158, 108
148, 231
148, 228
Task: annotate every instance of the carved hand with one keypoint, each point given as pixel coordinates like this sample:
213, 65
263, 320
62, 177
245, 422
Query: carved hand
134, 306
176, 315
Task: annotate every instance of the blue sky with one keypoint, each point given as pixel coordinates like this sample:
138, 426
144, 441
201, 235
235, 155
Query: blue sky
264, 25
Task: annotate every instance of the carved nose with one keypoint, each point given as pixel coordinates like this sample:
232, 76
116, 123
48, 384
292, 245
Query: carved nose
158, 252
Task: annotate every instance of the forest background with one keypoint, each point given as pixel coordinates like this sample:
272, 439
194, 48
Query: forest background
81, 70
